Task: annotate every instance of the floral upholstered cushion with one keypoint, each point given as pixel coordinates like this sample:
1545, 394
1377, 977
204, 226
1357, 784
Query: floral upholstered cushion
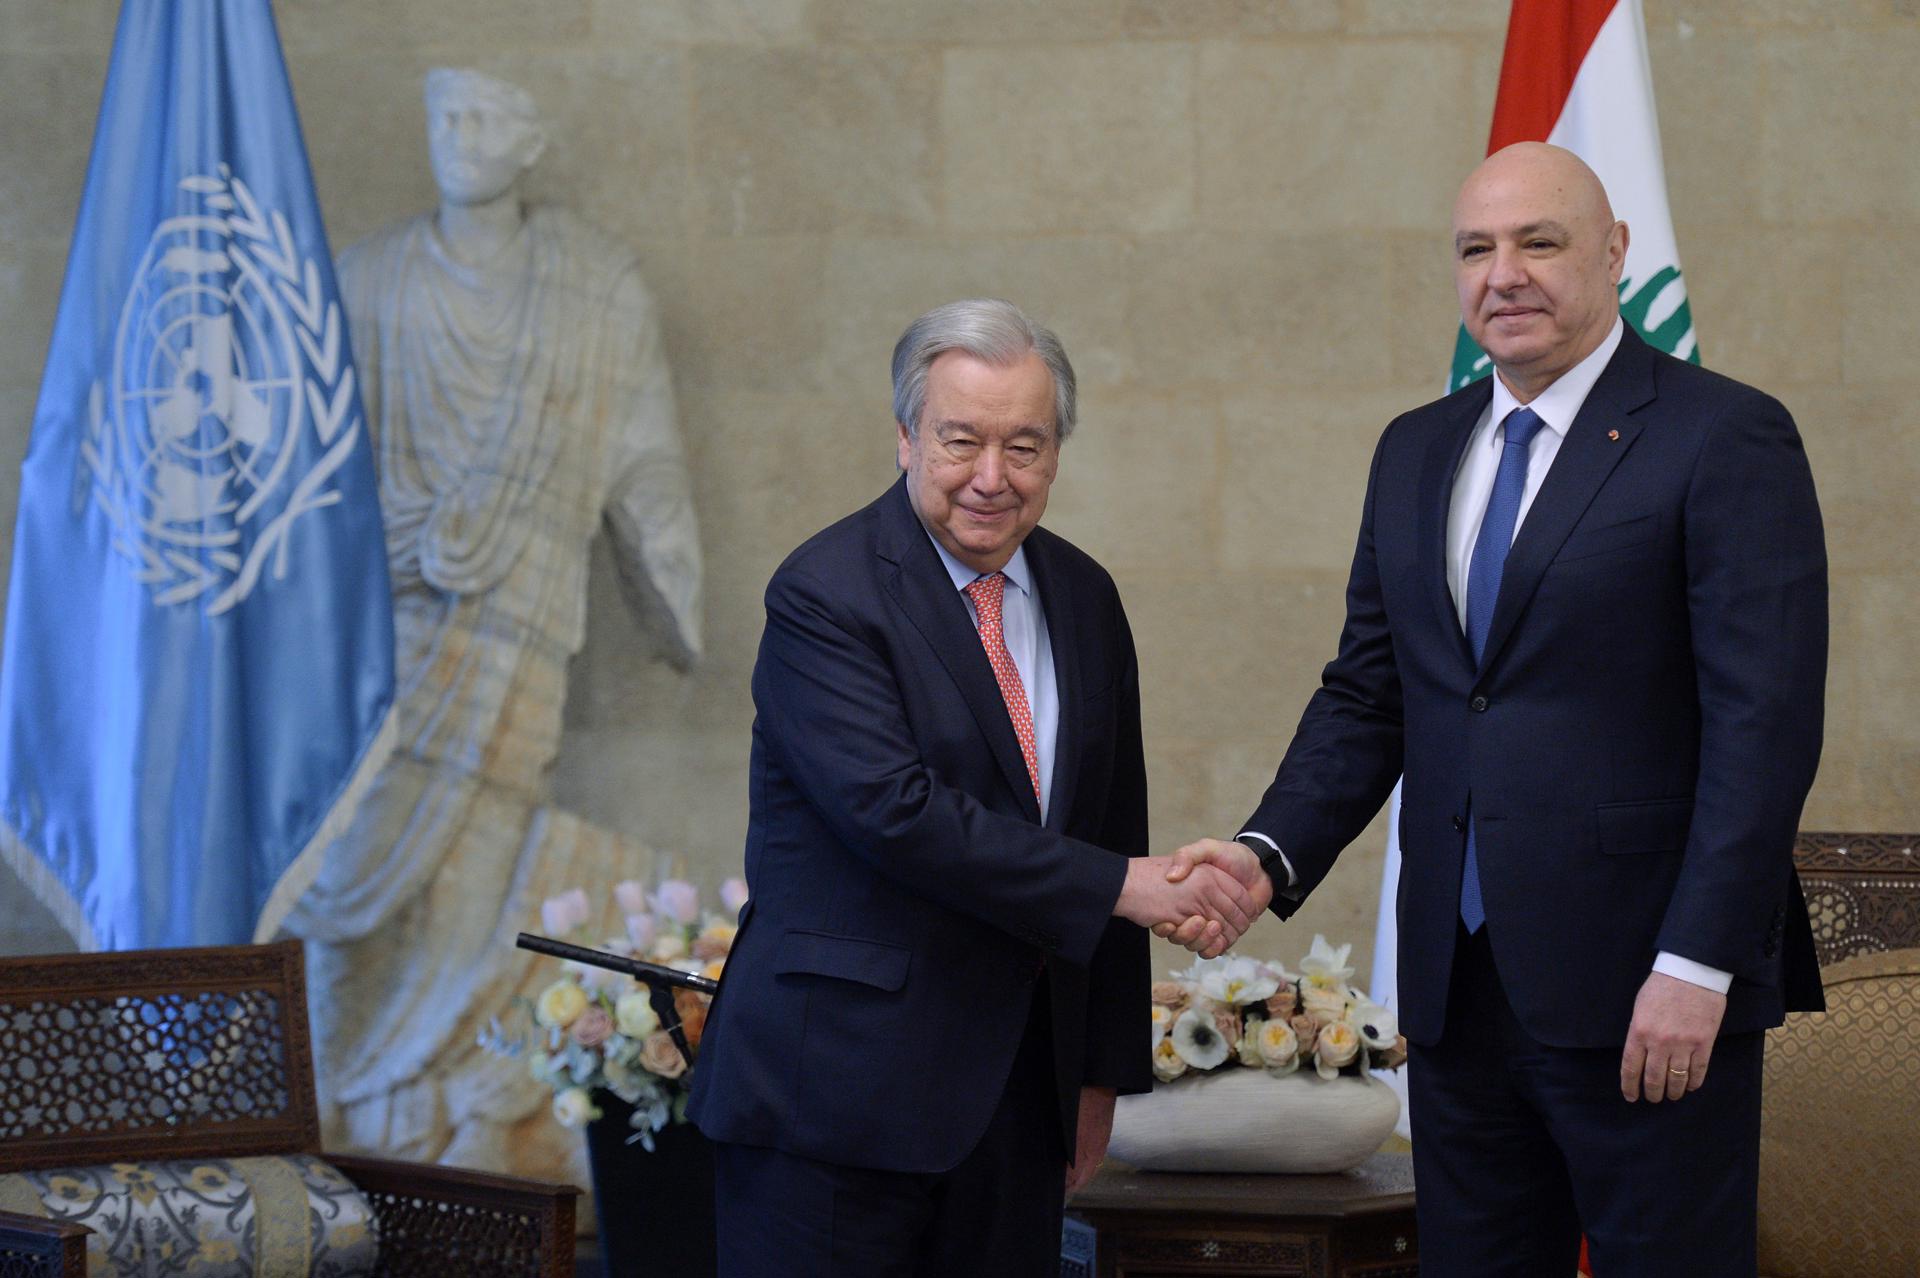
275, 1217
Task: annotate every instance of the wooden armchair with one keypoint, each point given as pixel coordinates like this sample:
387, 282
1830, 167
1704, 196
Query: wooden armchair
204, 1053
1838, 1162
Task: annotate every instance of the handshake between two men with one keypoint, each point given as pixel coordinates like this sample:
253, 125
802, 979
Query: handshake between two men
1204, 897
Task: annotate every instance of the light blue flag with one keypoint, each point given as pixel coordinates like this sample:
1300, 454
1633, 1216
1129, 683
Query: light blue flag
199, 637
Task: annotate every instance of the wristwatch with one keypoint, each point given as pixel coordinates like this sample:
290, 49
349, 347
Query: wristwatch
1270, 860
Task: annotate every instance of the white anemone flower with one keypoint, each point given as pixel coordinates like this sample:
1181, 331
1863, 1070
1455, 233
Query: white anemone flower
1325, 967
1197, 1040
1237, 981
1377, 1026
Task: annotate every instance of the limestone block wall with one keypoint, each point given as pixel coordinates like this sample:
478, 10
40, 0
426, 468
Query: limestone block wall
1234, 211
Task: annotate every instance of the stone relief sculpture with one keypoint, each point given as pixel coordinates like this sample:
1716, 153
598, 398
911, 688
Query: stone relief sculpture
512, 369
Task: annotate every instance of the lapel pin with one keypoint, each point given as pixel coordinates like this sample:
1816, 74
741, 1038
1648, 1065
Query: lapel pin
1614, 435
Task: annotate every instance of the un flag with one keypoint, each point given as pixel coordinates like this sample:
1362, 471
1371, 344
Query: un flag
199, 638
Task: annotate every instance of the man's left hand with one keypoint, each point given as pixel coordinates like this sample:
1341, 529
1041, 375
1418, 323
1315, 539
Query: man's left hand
1096, 1125
1674, 1025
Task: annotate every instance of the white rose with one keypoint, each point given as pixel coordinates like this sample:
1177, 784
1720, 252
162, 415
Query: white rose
1278, 1045
1324, 1005
635, 1016
574, 1108
667, 947
1167, 1064
1162, 1022
559, 1004
1339, 1043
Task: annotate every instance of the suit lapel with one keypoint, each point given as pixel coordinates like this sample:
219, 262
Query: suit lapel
1063, 636
1436, 502
919, 584
1596, 441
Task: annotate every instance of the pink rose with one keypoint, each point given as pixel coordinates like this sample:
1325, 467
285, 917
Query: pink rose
733, 895
1280, 1006
568, 912
592, 1027
679, 900
631, 895
660, 1057
1227, 1021
640, 930
1307, 1030
1171, 995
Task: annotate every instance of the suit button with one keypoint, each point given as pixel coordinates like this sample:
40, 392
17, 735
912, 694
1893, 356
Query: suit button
1771, 948
1478, 705
1459, 825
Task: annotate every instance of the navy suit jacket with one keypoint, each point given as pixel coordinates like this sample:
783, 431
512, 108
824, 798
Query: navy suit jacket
1635, 744
906, 898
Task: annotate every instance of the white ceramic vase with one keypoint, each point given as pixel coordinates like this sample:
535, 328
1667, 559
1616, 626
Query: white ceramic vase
1245, 1120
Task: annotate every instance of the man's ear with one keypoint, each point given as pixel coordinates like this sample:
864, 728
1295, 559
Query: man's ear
1616, 252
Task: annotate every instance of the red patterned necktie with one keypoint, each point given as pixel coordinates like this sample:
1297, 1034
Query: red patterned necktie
987, 593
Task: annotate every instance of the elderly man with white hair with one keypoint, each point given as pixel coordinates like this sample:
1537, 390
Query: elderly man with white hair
938, 984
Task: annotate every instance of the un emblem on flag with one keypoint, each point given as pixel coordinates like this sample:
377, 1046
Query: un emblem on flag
227, 354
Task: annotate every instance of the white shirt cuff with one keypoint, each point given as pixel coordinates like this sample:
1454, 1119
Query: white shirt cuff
1685, 969
1244, 835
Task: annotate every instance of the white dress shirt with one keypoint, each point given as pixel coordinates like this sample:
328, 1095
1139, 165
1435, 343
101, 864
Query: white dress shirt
1023, 622
1556, 407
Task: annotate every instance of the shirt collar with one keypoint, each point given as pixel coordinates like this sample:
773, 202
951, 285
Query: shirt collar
963, 576
1559, 404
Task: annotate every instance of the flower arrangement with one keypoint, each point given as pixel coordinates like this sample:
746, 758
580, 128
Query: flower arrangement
595, 1030
1234, 1011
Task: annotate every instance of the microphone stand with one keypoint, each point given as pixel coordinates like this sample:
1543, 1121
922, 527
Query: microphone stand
660, 981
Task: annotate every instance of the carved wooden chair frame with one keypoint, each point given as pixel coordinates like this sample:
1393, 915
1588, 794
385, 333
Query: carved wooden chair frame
145, 1010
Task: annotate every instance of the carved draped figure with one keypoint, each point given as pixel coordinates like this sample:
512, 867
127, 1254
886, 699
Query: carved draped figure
514, 404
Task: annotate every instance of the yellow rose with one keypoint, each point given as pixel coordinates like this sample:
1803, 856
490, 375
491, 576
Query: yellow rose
714, 942
559, 1004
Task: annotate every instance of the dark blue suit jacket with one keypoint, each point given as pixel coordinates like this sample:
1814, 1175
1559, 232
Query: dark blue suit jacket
1637, 741
904, 892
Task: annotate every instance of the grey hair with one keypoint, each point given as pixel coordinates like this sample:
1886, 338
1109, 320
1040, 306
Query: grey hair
985, 328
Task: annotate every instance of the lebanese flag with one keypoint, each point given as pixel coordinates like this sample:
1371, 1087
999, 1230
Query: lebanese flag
1576, 74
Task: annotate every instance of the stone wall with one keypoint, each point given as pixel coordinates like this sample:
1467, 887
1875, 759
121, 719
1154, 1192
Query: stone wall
1235, 213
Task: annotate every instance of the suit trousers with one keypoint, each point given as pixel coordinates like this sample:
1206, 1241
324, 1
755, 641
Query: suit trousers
998, 1212
1519, 1147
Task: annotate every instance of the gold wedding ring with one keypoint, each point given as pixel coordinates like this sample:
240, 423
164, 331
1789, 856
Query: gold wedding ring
1681, 1072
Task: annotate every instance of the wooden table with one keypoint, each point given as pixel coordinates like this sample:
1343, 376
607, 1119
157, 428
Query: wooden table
1135, 1224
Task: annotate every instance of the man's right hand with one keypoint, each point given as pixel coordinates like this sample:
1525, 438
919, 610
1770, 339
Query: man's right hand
1207, 906
1236, 859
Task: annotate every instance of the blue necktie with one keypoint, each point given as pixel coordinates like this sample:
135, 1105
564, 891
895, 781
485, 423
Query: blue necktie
1483, 591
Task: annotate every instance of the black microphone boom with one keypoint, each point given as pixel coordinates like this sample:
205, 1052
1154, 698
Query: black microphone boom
660, 981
